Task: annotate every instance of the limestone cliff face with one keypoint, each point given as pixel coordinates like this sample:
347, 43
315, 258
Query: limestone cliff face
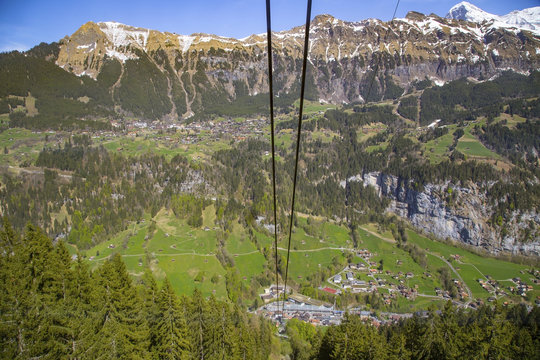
460, 214
342, 57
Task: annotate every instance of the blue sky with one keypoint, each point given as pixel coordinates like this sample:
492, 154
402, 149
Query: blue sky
25, 23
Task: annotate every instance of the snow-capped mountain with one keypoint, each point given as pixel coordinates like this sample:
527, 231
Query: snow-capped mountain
527, 19
189, 73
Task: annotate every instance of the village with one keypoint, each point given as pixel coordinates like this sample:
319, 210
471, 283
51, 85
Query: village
368, 276
365, 277
316, 312
215, 130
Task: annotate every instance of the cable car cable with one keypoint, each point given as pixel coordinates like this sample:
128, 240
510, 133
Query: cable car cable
270, 84
302, 92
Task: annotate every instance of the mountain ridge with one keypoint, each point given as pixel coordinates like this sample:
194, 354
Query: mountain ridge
153, 75
526, 19
342, 55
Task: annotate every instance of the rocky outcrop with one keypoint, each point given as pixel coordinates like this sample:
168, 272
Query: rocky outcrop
201, 68
453, 212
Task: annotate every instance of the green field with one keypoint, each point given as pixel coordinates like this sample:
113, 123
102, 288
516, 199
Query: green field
314, 107
472, 147
188, 256
168, 145
473, 267
22, 146
437, 149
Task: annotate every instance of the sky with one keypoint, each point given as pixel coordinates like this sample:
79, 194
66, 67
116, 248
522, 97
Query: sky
26, 23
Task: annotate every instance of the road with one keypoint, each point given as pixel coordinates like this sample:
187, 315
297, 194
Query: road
432, 254
455, 272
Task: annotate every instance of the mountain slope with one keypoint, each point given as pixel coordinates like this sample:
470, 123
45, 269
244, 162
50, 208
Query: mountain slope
527, 19
156, 75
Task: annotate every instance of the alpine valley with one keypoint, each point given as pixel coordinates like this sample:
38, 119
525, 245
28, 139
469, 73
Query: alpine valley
419, 172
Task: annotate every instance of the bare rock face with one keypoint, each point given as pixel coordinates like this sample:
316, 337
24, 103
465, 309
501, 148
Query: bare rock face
456, 213
342, 57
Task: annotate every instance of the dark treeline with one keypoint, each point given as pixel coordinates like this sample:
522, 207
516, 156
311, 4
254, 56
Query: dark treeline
462, 100
408, 107
102, 194
56, 90
54, 308
517, 144
491, 332
488, 333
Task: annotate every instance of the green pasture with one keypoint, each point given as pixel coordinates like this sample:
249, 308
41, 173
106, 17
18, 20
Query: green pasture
167, 145
470, 146
306, 263
312, 107
437, 149
471, 266
22, 146
380, 146
188, 256
183, 270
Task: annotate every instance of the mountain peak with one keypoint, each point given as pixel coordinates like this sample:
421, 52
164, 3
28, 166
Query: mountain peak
323, 19
469, 12
527, 19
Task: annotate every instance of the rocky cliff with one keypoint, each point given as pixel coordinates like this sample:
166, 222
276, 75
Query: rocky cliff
200, 72
454, 212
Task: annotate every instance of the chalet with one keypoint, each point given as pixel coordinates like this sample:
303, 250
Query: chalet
266, 297
275, 289
337, 279
350, 276
409, 275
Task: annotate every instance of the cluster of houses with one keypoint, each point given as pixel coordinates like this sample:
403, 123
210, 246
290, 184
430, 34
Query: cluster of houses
215, 130
239, 130
273, 292
292, 309
382, 318
492, 286
346, 280
521, 287
463, 295
364, 254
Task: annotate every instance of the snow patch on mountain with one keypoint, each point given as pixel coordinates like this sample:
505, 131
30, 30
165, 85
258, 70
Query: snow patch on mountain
527, 19
121, 56
185, 42
124, 35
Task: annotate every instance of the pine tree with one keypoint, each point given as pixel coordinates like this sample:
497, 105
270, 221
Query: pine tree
445, 342
197, 313
13, 294
82, 312
121, 329
171, 335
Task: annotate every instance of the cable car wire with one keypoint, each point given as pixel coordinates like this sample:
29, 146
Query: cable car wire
270, 84
300, 113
